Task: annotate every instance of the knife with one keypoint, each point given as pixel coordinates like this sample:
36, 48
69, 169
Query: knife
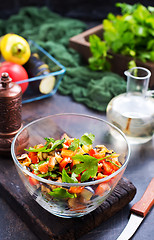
138, 212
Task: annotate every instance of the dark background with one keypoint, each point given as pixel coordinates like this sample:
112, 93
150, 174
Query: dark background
86, 10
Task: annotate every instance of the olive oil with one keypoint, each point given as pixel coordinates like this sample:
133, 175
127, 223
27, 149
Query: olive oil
134, 115
133, 111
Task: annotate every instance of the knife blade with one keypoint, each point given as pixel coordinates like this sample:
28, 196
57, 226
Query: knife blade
138, 212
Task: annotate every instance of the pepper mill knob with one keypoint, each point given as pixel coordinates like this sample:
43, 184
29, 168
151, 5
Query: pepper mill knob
5, 79
10, 111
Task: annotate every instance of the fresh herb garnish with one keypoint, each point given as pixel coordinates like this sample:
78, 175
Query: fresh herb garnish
74, 144
57, 144
67, 179
86, 139
88, 166
61, 193
49, 140
48, 174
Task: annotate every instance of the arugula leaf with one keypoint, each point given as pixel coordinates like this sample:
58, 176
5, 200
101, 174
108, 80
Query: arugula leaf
66, 178
56, 144
74, 145
61, 193
87, 139
88, 165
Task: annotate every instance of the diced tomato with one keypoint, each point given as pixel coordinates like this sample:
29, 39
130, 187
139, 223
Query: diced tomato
75, 189
107, 168
43, 168
64, 162
33, 181
99, 155
33, 157
68, 142
67, 153
101, 189
52, 162
92, 152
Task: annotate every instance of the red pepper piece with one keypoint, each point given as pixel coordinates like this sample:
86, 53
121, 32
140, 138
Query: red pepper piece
33, 157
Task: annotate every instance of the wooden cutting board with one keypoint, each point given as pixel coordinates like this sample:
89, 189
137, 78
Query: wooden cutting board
44, 224
47, 226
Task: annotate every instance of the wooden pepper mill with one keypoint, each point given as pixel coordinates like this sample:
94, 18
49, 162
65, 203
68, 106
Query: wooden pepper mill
10, 111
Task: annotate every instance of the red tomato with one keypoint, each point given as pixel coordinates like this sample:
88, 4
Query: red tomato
33, 181
102, 187
43, 168
75, 189
16, 72
64, 162
33, 157
92, 152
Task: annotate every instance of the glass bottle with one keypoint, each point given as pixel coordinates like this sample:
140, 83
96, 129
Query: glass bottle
133, 111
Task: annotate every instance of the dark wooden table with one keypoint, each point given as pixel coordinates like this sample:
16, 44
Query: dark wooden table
140, 171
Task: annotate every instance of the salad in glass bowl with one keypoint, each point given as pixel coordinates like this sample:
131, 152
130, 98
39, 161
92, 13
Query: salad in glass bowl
69, 173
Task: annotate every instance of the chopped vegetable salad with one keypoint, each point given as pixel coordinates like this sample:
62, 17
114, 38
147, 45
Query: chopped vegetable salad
70, 160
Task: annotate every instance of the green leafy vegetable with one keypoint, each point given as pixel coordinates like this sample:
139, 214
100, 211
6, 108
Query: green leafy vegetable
67, 179
87, 139
88, 166
99, 51
49, 140
56, 144
48, 174
129, 34
61, 193
74, 145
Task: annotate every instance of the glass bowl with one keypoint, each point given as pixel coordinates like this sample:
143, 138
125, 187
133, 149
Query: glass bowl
75, 125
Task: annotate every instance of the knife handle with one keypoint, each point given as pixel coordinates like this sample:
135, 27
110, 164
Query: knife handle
143, 206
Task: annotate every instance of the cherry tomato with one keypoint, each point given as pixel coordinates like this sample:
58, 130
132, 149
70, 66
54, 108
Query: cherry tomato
16, 72
15, 48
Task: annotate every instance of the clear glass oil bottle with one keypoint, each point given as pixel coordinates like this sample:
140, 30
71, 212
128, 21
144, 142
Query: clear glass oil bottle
133, 111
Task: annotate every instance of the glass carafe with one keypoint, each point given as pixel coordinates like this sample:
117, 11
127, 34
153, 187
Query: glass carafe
133, 111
